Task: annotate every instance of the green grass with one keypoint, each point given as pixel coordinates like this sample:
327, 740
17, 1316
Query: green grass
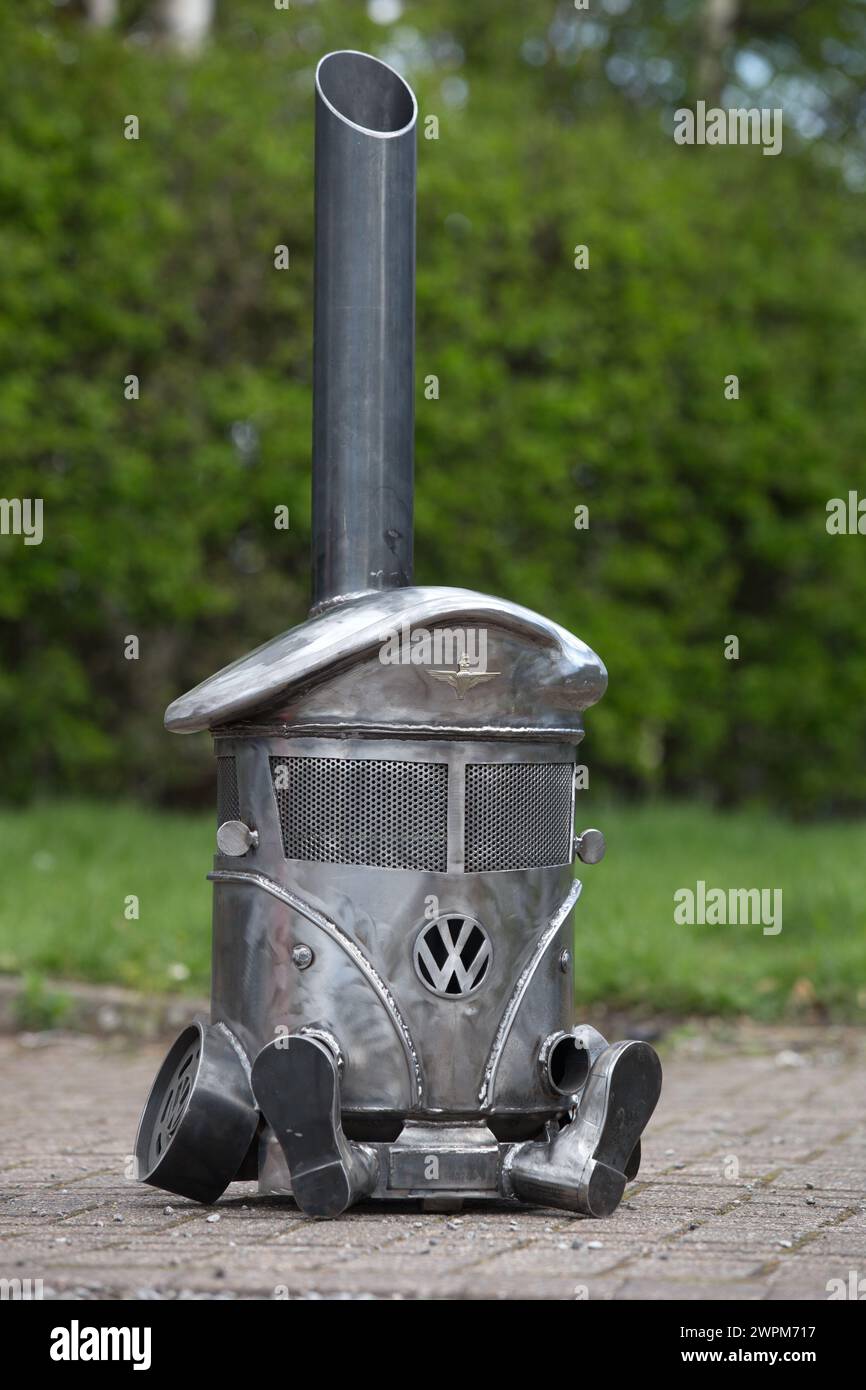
72, 866
629, 951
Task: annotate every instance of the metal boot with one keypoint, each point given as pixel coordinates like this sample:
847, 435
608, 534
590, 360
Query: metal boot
586, 1165
296, 1082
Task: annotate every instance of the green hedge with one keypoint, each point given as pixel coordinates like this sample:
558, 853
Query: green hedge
557, 387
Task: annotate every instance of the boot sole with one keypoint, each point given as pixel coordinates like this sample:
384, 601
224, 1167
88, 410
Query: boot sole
631, 1088
296, 1086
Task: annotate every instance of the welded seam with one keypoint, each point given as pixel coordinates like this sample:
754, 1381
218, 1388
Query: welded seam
512, 1008
236, 1046
352, 950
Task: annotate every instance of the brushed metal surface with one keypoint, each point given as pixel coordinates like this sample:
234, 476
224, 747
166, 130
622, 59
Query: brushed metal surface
547, 674
362, 923
364, 328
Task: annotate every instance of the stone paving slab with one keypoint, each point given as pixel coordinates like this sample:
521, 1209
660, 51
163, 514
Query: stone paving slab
753, 1186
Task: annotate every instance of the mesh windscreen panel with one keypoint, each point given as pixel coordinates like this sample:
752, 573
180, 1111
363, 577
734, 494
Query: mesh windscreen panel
385, 813
518, 815
228, 802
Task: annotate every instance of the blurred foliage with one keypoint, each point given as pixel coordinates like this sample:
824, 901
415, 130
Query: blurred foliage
557, 386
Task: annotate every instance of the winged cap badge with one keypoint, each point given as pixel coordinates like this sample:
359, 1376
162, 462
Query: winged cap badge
464, 678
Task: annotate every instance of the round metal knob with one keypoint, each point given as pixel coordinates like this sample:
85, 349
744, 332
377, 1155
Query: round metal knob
303, 957
234, 838
590, 846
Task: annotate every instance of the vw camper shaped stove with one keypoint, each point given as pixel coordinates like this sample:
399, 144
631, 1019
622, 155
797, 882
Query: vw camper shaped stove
393, 979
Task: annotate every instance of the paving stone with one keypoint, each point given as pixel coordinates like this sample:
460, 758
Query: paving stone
788, 1219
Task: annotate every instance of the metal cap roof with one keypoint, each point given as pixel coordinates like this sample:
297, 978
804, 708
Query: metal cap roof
571, 674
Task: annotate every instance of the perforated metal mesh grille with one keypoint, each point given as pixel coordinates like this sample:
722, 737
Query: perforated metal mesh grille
388, 814
228, 802
518, 815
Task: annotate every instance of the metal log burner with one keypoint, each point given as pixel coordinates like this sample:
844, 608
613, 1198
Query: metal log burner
393, 977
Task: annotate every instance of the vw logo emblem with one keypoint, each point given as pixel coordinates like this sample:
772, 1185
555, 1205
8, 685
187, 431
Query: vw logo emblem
453, 955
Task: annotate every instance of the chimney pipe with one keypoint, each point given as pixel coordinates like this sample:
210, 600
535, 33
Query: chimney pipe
364, 329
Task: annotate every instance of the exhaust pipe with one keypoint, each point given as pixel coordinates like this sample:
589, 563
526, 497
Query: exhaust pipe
364, 329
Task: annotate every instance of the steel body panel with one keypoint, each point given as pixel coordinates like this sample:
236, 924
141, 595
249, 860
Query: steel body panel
258, 990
